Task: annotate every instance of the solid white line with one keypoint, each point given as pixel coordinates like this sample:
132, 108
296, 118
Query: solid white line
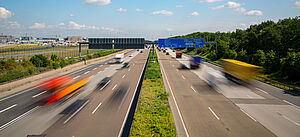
177, 108
248, 115
290, 103
193, 89
86, 72
249, 96
96, 108
105, 85
94, 68
213, 113
16, 119
291, 120
262, 90
8, 108
76, 112
19, 93
39, 94
124, 75
114, 87
182, 76
128, 69
123, 124
76, 77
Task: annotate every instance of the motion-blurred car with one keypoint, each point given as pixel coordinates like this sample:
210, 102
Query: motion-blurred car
103, 82
164, 50
173, 50
126, 65
131, 55
167, 53
141, 51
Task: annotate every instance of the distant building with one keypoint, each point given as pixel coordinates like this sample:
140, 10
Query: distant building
47, 40
74, 39
6, 38
27, 40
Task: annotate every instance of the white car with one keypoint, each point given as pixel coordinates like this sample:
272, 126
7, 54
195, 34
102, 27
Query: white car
131, 55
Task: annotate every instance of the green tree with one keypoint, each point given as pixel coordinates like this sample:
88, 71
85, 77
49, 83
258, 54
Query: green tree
259, 58
40, 61
290, 65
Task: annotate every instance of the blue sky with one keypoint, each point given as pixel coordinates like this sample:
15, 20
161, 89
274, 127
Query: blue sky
151, 19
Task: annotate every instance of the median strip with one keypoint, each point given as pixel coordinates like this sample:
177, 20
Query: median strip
153, 116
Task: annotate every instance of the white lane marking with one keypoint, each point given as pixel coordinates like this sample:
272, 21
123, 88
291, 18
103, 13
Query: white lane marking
114, 87
290, 103
99, 72
76, 77
39, 94
213, 113
8, 108
248, 114
86, 72
18, 118
76, 112
123, 124
262, 90
124, 75
96, 108
182, 76
128, 69
94, 68
18, 93
177, 108
290, 120
193, 89
249, 96
105, 85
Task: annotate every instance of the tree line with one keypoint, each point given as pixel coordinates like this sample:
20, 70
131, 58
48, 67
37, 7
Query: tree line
272, 45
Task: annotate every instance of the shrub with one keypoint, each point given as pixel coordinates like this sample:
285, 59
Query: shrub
40, 61
62, 63
290, 65
259, 58
242, 56
55, 65
230, 54
54, 57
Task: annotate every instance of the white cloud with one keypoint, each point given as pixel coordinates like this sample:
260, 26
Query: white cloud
297, 4
122, 10
179, 6
97, 2
109, 29
72, 15
9, 25
162, 12
254, 13
169, 29
139, 10
209, 1
38, 26
229, 4
193, 14
4, 13
60, 25
241, 10
74, 25
243, 25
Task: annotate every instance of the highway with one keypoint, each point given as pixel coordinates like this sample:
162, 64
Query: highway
229, 109
108, 105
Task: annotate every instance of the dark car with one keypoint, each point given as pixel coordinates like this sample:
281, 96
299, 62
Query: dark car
167, 53
141, 51
126, 65
164, 50
103, 83
173, 50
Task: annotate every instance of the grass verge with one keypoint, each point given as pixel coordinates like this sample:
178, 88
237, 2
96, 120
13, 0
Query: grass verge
153, 116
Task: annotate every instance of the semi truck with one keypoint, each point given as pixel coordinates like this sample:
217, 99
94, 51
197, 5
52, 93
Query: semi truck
178, 54
234, 69
195, 61
119, 58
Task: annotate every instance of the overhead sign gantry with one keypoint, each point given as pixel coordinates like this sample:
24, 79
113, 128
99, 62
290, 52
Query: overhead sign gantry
116, 43
181, 43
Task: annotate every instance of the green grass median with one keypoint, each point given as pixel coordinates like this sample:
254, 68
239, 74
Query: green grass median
153, 116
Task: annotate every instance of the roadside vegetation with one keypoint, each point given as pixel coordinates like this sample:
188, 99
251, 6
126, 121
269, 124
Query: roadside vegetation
11, 69
153, 116
273, 45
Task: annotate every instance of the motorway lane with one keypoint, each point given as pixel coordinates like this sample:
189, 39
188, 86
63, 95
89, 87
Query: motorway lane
17, 104
106, 111
279, 116
204, 111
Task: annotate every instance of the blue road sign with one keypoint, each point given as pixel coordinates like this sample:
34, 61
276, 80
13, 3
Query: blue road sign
199, 43
189, 43
171, 43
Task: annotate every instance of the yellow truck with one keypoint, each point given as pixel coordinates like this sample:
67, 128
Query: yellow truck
240, 70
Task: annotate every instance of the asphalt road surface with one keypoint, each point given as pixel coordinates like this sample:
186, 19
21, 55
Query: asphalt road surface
257, 101
20, 117
201, 110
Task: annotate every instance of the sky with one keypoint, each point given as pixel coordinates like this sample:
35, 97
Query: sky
151, 19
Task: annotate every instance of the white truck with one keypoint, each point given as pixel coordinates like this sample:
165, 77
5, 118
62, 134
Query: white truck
119, 58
